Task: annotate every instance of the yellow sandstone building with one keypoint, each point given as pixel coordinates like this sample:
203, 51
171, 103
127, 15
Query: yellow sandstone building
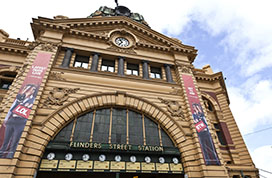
106, 96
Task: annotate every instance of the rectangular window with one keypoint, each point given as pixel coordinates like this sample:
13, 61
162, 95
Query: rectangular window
132, 69
219, 134
81, 61
107, 65
5, 84
155, 72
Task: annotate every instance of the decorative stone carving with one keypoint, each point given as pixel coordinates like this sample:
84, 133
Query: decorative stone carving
57, 76
20, 70
176, 91
45, 46
122, 50
173, 107
58, 96
132, 39
184, 68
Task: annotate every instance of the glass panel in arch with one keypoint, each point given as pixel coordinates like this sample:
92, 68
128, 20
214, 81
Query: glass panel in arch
65, 134
135, 128
83, 128
101, 126
119, 126
151, 132
166, 141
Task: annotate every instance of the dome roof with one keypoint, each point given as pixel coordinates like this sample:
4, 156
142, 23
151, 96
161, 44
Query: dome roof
118, 11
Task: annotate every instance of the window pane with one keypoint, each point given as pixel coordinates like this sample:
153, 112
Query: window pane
104, 68
119, 126
158, 76
110, 69
65, 134
83, 128
77, 64
135, 128
166, 141
129, 71
135, 72
152, 75
101, 126
85, 65
151, 132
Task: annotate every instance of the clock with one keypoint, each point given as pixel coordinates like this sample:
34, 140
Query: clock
147, 159
161, 160
133, 159
102, 158
68, 156
122, 42
117, 158
51, 156
175, 160
85, 157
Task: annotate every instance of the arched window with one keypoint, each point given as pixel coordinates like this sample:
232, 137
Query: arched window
114, 125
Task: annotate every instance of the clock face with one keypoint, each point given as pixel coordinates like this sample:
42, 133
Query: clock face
133, 159
175, 160
122, 42
161, 160
117, 158
102, 158
51, 156
85, 157
147, 159
68, 156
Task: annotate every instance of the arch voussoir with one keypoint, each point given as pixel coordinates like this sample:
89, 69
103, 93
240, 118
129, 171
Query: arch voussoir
61, 117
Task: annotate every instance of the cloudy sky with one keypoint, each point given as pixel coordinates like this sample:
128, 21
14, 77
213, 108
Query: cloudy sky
233, 36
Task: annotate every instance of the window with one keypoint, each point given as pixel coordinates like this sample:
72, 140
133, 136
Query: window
219, 134
107, 65
132, 69
155, 72
81, 61
114, 125
5, 84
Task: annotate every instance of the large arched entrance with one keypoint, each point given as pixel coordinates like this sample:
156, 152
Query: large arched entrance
112, 142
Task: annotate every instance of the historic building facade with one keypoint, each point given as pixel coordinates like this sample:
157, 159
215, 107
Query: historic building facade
108, 96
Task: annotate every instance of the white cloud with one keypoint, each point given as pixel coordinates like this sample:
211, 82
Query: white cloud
249, 112
263, 161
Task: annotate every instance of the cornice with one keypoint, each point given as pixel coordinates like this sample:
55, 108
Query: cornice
15, 48
201, 76
68, 25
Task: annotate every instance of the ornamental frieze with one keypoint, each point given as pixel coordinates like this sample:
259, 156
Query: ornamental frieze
173, 107
58, 96
57, 76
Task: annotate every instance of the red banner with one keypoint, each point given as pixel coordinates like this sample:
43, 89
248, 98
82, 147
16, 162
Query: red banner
204, 136
14, 123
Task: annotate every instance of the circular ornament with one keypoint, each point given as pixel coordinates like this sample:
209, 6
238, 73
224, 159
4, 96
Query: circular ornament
133, 159
121, 42
147, 159
102, 158
161, 160
68, 156
117, 158
175, 160
85, 157
51, 156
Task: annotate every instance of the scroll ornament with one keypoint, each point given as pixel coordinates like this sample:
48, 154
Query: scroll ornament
173, 107
58, 96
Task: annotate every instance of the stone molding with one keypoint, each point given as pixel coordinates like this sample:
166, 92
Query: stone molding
173, 107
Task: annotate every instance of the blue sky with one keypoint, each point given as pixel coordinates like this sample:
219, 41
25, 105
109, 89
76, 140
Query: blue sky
232, 36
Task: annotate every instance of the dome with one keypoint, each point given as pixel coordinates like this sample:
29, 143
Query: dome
118, 11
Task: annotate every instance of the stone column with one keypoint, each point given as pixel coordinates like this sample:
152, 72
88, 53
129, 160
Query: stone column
145, 70
168, 73
67, 57
95, 62
120, 66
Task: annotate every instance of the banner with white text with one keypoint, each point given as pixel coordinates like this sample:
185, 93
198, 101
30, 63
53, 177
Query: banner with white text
15, 121
205, 139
